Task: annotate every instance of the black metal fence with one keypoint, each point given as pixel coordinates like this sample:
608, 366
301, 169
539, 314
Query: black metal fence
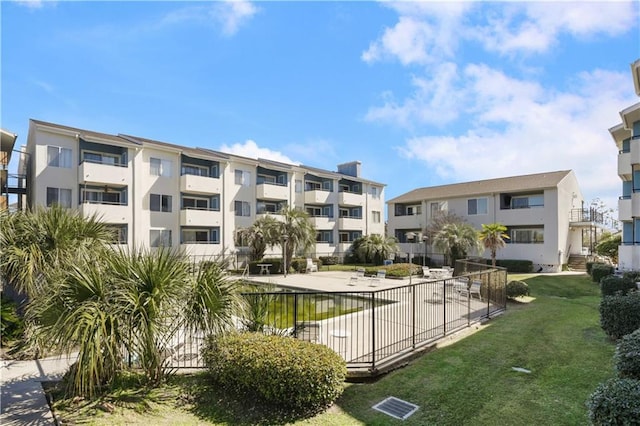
376, 328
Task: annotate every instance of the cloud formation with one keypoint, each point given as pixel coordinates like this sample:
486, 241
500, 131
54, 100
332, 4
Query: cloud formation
251, 149
231, 15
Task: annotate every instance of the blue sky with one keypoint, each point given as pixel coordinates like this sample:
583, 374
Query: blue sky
421, 93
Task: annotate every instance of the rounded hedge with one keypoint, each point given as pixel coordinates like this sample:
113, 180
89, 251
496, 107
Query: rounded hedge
615, 402
517, 289
282, 370
620, 314
627, 356
600, 270
612, 284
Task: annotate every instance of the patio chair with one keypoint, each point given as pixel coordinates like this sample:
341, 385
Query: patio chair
308, 331
311, 267
381, 275
465, 289
353, 280
425, 272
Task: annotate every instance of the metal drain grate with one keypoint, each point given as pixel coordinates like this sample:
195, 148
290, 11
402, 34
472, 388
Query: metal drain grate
395, 407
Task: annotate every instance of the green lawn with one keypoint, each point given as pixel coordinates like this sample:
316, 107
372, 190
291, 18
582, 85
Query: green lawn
556, 336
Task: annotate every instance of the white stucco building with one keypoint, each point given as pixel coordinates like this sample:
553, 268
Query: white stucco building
626, 136
159, 194
543, 213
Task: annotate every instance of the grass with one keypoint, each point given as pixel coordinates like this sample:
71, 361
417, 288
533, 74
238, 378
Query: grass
557, 337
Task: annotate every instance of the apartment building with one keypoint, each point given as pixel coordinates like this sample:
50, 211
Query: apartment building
543, 213
626, 136
155, 194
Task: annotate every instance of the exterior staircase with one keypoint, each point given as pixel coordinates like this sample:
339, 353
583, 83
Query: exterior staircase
577, 263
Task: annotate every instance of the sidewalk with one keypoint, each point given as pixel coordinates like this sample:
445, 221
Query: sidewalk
22, 399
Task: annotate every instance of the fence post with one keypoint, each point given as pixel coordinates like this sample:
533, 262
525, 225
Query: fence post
413, 317
444, 308
373, 331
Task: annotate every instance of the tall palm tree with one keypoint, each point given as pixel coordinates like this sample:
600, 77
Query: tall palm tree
296, 229
456, 241
492, 238
376, 248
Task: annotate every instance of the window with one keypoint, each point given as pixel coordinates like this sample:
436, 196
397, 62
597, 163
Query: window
100, 158
527, 201
160, 238
200, 235
627, 232
627, 189
476, 206
160, 167
242, 208
374, 192
526, 235
414, 210
349, 236
59, 157
636, 231
375, 217
119, 233
103, 196
160, 203
298, 186
59, 196
264, 207
242, 177
435, 209
324, 237
189, 169
192, 202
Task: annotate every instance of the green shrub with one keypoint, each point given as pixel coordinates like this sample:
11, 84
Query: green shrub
600, 270
589, 266
615, 402
514, 265
517, 289
11, 324
627, 356
611, 285
329, 260
620, 314
395, 270
283, 371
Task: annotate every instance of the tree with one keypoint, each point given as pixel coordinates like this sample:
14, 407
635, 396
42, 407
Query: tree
34, 244
492, 238
608, 246
375, 248
295, 228
258, 235
456, 241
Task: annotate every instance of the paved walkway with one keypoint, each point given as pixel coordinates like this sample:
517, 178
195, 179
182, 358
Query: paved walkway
22, 399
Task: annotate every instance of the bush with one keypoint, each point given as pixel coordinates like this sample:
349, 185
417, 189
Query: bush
517, 289
611, 285
600, 270
283, 371
395, 270
627, 356
329, 260
615, 402
620, 314
12, 324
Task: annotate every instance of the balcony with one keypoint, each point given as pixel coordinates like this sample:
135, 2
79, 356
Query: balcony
350, 198
624, 208
322, 222
109, 213
201, 251
200, 217
272, 191
317, 196
624, 164
350, 222
200, 184
103, 173
635, 203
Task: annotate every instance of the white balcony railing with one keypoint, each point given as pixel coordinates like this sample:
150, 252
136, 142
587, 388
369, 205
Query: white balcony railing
197, 217
110, 174
350, 199
317, 197
272, 191
200, 184
109, 213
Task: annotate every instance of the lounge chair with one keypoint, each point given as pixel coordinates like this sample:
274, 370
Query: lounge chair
381, 275
311, 267
359, 275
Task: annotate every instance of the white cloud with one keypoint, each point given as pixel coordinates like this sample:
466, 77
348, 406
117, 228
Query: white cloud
33, 4
523, 129
251, 149
232, 14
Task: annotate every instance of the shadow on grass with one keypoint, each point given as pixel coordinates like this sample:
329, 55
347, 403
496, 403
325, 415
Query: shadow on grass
568, 286
216, 403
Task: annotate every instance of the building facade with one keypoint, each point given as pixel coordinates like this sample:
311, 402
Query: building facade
159, 194
626, 135
543, 213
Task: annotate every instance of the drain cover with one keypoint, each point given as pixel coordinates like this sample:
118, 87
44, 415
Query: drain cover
395, 407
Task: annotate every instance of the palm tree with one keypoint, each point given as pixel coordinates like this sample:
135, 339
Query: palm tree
492, 238
456, 241
376, 248
293, 231
36, 243
257, 235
